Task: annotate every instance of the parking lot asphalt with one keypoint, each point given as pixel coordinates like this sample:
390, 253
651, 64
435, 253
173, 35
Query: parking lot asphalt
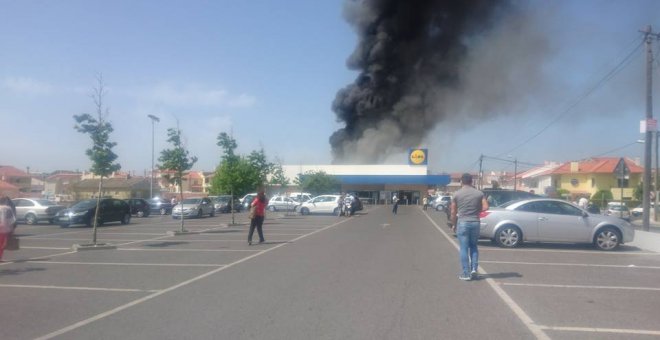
372, 276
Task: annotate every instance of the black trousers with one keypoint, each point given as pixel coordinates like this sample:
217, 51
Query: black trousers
258, 222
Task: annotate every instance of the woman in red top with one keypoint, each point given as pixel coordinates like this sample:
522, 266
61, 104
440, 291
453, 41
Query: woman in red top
259, 206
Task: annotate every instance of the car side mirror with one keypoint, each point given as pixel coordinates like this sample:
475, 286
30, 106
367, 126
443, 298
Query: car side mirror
585, 214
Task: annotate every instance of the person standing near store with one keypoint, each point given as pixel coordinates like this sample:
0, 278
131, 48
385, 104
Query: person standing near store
467, 204
395, 201
257, 220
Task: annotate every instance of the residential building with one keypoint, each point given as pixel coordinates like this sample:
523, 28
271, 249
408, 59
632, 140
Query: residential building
112, 187
10, 190
588, 176
59, 185
16, 177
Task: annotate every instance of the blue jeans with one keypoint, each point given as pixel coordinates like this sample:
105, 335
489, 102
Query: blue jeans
468, 237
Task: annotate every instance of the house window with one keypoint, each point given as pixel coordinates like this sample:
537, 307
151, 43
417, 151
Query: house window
622, 183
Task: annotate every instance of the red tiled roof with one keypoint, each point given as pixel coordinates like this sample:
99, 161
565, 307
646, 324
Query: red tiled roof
6, 186
10, 171
601, 165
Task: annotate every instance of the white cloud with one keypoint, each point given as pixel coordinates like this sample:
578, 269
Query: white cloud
242, 100
26, 85
196, 95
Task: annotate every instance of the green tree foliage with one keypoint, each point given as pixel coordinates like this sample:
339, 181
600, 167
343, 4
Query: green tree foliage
259, 161
101, 154
176, 161
601, 197
318, 182
238, 177
278, 177
99, 130
235, 175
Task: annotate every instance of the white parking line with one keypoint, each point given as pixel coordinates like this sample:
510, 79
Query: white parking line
179, 285
517, 310
131, 264
80, 288
191, 249
518, 250
579, 286
573, 264
601, 330
46, 248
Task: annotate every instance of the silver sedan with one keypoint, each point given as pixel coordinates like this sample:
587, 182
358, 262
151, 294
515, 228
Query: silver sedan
552, 220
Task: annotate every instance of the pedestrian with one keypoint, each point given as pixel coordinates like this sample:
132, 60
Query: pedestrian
6, 201
7, 222
425, 202
583, 203
395, 201
340, 204
258, 210
467, 204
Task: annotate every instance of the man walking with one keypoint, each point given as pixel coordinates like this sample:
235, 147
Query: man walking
466, 206
395, 202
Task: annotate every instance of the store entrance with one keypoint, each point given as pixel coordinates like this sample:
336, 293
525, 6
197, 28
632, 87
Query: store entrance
408, 197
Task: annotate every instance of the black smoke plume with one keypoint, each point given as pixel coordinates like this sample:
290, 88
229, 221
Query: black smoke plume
409, 53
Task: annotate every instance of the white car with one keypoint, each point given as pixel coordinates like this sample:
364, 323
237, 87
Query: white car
282, 203
323, 204
194, 207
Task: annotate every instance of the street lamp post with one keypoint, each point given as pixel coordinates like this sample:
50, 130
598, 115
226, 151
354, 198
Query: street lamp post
154, 119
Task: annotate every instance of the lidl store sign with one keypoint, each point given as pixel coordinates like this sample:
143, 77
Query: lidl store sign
418, 156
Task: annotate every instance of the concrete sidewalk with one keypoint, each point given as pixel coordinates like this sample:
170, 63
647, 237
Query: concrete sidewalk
647, 240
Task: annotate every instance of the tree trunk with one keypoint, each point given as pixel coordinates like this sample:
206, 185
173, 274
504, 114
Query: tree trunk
96, 213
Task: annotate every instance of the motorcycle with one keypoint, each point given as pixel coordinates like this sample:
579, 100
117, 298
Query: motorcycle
348, 208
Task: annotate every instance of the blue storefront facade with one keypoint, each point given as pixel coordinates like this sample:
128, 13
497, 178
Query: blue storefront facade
376, 184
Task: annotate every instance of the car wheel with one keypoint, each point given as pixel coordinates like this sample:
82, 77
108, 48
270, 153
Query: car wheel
212, 214
272, 208
508, 237
140, 213
336, 211
163, 211
64, 225
30, 219
126, 219
607, 238
304, 211
199, 213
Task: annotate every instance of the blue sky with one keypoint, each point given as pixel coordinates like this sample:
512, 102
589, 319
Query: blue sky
267, 71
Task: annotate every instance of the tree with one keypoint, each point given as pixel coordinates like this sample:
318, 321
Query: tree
176, 161
101, 154
602, 197
235, 178
259, 161
318, 182
278, 178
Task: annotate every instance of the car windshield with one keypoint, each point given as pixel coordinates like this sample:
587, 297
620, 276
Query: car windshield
222, 199
86, 204
191, 201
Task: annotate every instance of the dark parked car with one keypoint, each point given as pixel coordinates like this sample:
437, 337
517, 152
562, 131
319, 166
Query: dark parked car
222, 204
110, 210
498, 197
139, 207
32, 211
160, 206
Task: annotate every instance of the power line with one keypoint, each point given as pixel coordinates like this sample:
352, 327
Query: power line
616, 149
620, 66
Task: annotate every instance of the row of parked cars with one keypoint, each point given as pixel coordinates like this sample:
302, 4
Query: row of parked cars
33, 211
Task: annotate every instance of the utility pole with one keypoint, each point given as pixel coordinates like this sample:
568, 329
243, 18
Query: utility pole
154, 119
515, 174
648, 140
481, 173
